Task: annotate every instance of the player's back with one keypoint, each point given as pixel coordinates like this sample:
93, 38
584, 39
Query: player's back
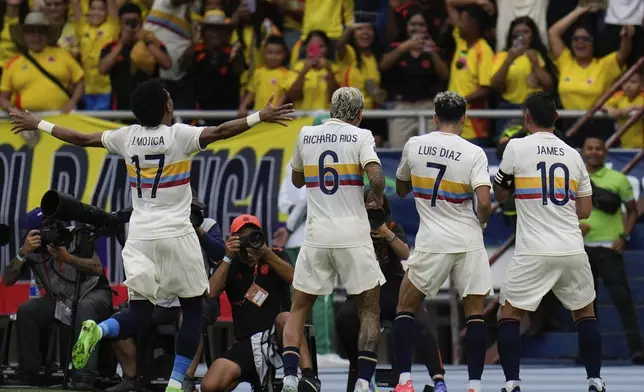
444, 171
158, 168
548, 176
333, 156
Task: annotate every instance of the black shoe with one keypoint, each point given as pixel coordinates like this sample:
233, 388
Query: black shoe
188, 384
127, 384
309, 384
638, 358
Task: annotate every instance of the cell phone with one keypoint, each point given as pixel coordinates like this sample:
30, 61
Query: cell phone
315, 50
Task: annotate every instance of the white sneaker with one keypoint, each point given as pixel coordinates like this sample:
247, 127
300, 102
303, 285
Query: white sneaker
596, 385
331, 360
289, 384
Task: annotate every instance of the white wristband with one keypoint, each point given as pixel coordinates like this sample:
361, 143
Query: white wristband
227, 260
46, 126
253, 119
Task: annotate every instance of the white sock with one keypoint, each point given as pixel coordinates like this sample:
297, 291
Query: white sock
476, 385
404, 377
174, 384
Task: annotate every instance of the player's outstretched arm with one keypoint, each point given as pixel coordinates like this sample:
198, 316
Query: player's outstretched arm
376, 180
272, 114
26, 121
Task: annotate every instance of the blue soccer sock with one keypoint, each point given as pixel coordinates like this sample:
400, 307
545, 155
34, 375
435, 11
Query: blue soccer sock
475, 345
404, 335
181, 365
590, 345
290, 359
110, 328
367, 361
509, 346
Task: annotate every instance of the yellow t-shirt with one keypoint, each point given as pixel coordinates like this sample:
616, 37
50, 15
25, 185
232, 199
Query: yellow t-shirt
580, 88
8, 49
634, 136
250, 50
69, 39
328, 16
470, 69
315, 94
34, 91
352, 76
92, 40
520, 80
266, 82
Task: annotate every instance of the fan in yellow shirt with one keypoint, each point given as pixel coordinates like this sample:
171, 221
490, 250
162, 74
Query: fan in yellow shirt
622, 105
269, 79
313, 81
96, 29
8, 48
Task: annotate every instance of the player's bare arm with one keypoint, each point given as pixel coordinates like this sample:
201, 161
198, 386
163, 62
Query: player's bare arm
272, 114
376, 180
483, 204
297, 178
26, 121
584, 205
403, 188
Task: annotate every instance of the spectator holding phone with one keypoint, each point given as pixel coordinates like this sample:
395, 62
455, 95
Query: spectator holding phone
414, 70
314, 80
522, 68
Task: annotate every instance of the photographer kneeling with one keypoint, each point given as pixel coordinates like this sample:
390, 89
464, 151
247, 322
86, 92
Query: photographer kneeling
390, 245
56, 269
257, 281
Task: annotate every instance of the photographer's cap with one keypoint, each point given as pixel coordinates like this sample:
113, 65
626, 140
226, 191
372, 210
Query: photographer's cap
33, 219
243, 220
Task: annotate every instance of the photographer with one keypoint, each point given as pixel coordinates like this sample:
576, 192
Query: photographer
606, 234
256, 279
56, 269
390, 245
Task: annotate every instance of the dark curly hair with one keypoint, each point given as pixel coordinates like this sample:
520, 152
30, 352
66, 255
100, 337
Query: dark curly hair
148, 103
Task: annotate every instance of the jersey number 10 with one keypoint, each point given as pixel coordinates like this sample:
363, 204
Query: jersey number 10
155, 185
548, 186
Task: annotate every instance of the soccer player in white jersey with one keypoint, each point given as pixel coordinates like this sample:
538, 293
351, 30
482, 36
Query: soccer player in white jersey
162, 256
444, 172
552, 192
330, 160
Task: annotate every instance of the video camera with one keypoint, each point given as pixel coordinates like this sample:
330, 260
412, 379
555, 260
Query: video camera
57, 207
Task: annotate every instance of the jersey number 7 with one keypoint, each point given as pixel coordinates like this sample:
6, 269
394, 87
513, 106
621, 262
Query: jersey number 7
437, 181
146, 183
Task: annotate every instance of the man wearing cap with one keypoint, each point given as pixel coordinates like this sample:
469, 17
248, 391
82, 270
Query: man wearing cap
24, 78
55, 270
257, 284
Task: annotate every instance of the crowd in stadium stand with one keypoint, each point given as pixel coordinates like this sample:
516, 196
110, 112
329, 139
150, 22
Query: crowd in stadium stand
233, 54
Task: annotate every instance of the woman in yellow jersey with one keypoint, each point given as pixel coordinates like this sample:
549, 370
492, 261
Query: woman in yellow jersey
626, 103
358, 65
583, 78
268, 79
313, 81
522, 68
57, 13
14, 11
96, 29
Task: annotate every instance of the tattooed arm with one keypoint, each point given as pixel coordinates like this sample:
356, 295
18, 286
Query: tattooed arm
376, 179
90, 267
13, 270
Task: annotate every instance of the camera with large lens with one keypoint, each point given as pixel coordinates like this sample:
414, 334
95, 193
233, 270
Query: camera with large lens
254, 240
55, 233
377, 217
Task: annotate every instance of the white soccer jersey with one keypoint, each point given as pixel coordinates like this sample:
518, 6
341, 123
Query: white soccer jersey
332, 157
444, 170
158, 168
548, 176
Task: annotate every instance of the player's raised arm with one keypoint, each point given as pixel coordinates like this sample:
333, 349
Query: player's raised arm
504, 179
26, 121
272, 114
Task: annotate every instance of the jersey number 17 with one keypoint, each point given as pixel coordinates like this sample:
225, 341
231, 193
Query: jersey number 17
160, 158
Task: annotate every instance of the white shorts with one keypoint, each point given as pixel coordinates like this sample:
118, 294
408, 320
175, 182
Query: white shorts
469, 270
164, 268
317, 269
529, 278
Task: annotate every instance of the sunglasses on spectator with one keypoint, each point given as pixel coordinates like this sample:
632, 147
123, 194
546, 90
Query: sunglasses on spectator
584, 38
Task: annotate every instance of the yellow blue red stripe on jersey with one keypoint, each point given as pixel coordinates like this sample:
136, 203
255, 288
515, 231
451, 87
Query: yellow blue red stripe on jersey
174, 174
349, 174
172, 22
532, 188
450, 191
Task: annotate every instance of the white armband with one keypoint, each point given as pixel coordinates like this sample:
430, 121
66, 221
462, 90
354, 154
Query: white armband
46, 126
227, 260
253, 119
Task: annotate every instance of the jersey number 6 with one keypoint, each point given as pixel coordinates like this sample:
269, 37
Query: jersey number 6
548, 188
146, 183
324, 170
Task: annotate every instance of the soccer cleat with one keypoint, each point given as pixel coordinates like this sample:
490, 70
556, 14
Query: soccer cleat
440, 386
289, 384
408, 387
596, 385
309, 384
89, 335
511, 386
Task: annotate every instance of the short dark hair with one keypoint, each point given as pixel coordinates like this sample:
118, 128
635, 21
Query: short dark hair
542, 109
449, 106
148, 102
130, 8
